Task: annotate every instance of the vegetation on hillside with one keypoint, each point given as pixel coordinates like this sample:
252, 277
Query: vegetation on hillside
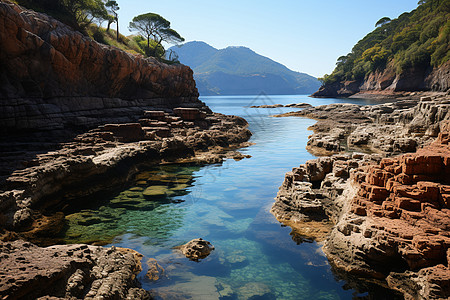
418, 39
87, 16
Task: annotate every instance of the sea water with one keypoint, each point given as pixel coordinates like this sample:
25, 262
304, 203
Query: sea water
227, 204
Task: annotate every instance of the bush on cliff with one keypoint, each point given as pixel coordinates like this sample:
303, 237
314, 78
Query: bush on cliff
78, 14
87, 16
418, 39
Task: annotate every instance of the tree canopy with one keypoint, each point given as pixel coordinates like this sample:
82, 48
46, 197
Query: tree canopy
418, 39
154, 27
383, 21
75, 13
85, 11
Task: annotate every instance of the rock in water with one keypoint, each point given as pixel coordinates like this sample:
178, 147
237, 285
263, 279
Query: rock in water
155, 271
197, 249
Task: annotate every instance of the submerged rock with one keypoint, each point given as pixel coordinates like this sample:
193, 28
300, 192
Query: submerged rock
197, 249
155, 271
255, 290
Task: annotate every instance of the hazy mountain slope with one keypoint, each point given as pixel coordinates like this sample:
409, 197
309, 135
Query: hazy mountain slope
239, 70
194, 54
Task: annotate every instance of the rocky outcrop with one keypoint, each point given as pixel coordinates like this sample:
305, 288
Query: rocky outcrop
55, 78
397, 225
391, 216
306, 198
69, 272
388, 129
387, 82
196, 249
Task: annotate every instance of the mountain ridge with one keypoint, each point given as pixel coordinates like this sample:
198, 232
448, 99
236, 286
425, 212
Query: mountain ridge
238, 70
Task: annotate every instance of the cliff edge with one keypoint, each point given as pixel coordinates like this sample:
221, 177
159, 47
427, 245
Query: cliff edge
387, 83
54, 78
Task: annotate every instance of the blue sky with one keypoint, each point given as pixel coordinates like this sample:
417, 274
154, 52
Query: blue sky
305, 35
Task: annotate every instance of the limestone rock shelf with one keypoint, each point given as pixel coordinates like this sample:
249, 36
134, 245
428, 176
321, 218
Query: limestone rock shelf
388, 129
108, 156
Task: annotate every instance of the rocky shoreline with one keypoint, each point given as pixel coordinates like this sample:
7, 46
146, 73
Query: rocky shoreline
388, 83
90, 117
388, 218
388, 129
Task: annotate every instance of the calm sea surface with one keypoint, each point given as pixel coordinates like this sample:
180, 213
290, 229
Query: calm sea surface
227, 204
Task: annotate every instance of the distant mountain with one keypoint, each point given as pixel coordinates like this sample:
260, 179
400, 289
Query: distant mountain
241, 71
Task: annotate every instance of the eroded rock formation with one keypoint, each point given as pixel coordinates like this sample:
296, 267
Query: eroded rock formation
196, 249
306, 198
55, 78
398, 222
69, 272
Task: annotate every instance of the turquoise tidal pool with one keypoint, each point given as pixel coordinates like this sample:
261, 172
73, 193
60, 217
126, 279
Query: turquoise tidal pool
228, 205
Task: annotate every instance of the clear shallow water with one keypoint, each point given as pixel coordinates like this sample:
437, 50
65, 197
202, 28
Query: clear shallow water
228, 205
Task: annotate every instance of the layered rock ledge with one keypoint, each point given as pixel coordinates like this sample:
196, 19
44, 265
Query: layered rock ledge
55, 78
390, 217
57, 83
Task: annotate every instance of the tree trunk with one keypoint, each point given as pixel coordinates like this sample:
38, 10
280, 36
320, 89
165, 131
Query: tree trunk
108, 27
117, 21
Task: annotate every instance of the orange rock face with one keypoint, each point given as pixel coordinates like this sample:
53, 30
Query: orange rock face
406, 201
43, 57
410, 194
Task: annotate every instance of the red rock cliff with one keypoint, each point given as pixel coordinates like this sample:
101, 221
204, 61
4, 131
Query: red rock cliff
53, 77
388, 82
